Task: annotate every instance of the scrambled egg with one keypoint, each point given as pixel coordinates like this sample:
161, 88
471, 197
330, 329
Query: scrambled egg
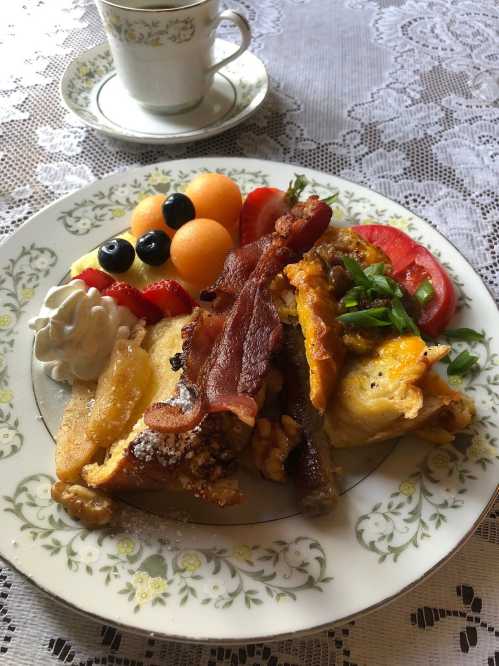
316, 306
317, 313
380, 396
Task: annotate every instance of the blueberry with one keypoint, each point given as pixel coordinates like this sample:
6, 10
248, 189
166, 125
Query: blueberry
153, 247
116, 255
177, 210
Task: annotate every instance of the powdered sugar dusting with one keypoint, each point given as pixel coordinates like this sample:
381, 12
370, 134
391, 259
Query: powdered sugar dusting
165, 448
182, 399
147, 444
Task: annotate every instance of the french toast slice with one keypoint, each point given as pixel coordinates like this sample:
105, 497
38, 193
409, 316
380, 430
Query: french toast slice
120, 471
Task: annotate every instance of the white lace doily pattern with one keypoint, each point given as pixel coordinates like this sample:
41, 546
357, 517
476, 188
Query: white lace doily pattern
377, 91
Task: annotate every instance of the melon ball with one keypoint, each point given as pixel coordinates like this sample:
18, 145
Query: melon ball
199, 249
148, 216
216, 197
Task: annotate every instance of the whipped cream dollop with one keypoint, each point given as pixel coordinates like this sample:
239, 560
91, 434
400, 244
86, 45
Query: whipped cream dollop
76, 329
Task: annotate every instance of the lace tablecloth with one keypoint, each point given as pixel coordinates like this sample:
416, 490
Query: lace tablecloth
377, 91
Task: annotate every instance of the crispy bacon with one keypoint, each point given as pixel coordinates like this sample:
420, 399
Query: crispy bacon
227, 350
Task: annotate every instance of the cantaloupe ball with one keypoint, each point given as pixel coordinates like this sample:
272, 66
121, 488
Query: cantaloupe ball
147, 216
216, 197
199, 249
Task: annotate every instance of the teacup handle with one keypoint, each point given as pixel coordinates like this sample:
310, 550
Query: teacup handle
242, 24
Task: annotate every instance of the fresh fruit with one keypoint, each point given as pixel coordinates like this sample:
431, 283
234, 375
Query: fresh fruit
148, 215
216, 197
131, 298
73, 448
170, 297
177, 210
260, 211
199, 249
116, 255
120, 387
93, 277
139, 274
413, 265
263, 206
153, 247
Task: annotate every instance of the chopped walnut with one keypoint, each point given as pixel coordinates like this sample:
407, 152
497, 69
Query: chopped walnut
272, 443
92, 508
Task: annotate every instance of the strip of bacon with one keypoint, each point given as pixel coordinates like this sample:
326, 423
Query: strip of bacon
227, 350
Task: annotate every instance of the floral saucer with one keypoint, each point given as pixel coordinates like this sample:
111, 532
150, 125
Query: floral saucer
91, 89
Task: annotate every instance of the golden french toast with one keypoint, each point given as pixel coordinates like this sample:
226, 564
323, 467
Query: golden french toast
195, 461
162, 341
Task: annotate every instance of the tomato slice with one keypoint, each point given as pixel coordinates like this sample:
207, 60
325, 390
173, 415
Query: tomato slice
411, 264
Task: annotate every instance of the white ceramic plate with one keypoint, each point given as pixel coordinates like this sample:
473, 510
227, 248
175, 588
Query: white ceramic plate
91, 89
262, 571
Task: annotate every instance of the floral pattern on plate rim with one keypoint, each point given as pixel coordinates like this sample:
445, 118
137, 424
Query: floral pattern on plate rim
18, 283
118, 200
153, 571
422, 501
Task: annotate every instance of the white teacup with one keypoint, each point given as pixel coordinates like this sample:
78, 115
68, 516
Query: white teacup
163, 50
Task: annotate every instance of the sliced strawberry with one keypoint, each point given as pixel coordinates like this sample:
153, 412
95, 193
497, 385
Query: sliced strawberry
170, 297
131, 298
93, 277
259, 213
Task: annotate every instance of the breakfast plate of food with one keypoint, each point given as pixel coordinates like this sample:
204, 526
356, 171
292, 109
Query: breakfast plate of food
239, 400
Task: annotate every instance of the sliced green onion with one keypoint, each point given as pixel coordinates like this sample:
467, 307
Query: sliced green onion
356, 272
331, 199
385, 286
381, 285
375, 269
401, 319
465, 334
398, 319
352, 297
396, 288
462, 363
425, 292
350, 301
372, 318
